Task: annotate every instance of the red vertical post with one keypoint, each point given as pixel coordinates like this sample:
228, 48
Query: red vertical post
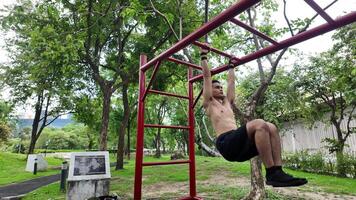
140, 131
192, 181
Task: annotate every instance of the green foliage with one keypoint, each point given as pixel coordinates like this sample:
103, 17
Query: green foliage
5, 121
72, 136
280, 103
327, 85
333, 145
305, 161
5, 132
330, 75
42, 54
18, 145
88, 111
318, 163
5, 111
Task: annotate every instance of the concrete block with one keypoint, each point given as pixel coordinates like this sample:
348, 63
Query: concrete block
85, 189
41, 163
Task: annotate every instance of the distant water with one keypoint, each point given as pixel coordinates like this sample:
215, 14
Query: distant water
58, 123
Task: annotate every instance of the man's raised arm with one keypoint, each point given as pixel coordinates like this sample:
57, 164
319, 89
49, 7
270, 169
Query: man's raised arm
230, 93
207, 81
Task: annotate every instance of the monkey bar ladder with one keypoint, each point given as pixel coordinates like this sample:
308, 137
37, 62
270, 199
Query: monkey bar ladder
192, 39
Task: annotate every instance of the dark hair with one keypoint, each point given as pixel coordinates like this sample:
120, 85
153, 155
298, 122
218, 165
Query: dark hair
215, 81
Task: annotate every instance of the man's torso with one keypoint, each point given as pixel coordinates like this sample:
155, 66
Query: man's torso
221, 116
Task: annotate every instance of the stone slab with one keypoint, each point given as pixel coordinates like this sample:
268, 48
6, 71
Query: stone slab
41, 163
85, 189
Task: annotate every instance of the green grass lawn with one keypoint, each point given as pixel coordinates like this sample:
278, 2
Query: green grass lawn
12, 168
331, 184
158, 179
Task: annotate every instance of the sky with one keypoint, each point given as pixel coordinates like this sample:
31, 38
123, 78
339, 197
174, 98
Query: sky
295, 9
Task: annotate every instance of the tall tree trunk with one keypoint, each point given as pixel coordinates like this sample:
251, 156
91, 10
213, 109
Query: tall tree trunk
340, 163
158, 143
122, 129
128, 139
163, 147
105, 117
35, 123
257, 183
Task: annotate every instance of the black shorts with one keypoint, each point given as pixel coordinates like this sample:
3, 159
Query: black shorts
235, 145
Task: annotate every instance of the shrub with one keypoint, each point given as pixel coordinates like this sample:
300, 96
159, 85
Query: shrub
305, 161
5, 132
350, 162
319, 163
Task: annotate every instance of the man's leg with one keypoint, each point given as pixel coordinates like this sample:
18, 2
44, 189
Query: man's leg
275, 144
267, 140
258, 131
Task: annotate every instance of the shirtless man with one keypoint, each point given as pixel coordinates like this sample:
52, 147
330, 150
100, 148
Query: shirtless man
257, 137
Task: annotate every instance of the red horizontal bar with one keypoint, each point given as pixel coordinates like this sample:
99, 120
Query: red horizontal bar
253, 30
165, 126
168, 94
324, 28
223, 17
202, 45
166, 163
184, 63
319, 10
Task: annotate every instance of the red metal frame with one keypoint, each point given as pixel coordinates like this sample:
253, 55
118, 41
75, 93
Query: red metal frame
165, 126
168, 94
252, 30
140, 132
319, 10
227, 15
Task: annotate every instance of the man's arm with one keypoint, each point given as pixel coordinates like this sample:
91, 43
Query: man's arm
230, 93
207, 84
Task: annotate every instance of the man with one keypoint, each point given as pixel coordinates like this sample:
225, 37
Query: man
256, 137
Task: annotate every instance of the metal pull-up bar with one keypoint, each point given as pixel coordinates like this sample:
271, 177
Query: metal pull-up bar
211, 25
319, 10
324, 28
253, 30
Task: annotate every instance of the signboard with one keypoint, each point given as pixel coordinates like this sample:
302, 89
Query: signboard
89, 165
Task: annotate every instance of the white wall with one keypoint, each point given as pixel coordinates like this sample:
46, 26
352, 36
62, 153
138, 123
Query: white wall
297, 136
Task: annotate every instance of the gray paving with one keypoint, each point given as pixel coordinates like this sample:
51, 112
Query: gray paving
18, 189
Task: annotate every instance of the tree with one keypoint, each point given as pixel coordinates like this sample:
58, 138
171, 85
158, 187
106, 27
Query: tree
281, 102
116, 32
87, 109
328, 85
41, 62
107, 26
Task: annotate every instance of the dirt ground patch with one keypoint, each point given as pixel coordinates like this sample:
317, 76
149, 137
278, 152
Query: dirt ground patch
175, 189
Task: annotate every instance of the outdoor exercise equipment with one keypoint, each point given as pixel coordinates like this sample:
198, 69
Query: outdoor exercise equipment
226, 16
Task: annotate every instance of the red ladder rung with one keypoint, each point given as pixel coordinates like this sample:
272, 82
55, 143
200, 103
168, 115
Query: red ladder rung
166, 163
168, 94
185, 63
165, 126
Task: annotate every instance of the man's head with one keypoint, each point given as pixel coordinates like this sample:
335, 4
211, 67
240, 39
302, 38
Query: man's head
217, 90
